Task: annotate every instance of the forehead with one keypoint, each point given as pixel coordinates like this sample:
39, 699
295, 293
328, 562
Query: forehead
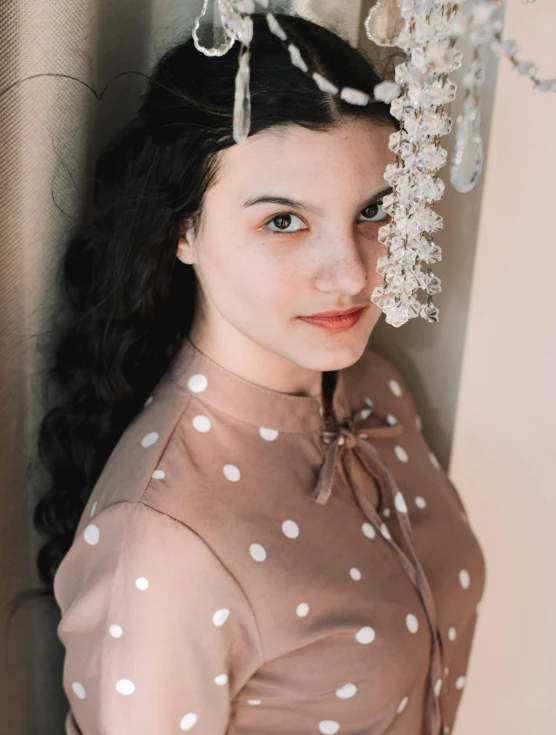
355, 151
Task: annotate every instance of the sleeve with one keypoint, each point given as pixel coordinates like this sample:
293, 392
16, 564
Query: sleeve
158, 635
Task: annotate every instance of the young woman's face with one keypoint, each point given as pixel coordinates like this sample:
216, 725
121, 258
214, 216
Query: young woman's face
261, 265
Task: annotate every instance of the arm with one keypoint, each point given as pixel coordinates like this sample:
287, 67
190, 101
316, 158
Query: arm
158, 634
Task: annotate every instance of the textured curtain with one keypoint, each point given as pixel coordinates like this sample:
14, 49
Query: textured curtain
51, 130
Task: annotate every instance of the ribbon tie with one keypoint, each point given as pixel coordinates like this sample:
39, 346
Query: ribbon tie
352, 434
347, 434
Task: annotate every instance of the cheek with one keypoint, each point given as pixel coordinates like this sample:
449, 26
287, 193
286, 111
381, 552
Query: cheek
250, 276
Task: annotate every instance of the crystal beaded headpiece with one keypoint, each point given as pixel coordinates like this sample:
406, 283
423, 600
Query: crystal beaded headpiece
427, 31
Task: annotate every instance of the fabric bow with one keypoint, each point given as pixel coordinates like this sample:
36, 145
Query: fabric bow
348, 434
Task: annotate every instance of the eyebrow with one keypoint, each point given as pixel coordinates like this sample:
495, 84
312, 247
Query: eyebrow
296, 204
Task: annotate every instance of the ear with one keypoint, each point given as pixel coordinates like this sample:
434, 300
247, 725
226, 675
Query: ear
186, 249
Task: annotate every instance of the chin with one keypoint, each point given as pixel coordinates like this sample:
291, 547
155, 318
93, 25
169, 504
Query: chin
338, 356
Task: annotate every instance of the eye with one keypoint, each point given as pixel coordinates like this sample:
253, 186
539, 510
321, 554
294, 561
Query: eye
283, 220
382, 215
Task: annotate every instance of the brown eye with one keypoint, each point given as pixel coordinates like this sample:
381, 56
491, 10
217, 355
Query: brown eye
374, 212
282, 221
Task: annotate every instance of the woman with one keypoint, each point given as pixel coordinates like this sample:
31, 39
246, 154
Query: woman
254, 536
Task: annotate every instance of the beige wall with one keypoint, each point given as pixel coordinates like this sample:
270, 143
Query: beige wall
504, 442
344, 14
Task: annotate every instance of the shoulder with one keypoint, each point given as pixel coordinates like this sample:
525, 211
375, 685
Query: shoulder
133, 463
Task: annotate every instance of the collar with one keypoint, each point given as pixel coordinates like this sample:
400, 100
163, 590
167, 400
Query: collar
348, 423
249, 402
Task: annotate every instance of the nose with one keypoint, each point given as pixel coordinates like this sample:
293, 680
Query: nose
343, 269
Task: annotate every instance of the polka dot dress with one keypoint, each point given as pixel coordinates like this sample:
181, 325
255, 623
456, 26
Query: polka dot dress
224, 564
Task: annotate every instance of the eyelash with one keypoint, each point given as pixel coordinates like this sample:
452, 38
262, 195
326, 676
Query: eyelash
292, 214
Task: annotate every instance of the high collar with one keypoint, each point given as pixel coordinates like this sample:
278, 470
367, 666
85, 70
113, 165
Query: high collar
224, 390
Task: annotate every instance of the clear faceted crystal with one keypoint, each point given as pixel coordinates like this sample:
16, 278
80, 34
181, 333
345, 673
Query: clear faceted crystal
209, 32
242, 101
384, 23
468, 156
526, 67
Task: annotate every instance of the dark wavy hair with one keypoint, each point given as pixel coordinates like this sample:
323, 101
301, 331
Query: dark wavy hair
130, 299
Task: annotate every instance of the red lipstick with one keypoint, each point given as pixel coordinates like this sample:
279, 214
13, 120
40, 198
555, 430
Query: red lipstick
335, 321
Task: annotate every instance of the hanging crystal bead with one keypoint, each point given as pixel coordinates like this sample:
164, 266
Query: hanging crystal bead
384, 23
467, 156
242, 100
209, 32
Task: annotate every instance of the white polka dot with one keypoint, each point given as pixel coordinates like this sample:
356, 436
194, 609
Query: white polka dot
399, 502
365, 635
460, 682
355, 574
254, 702
302, 609
125, 686
149, 439
446, 730
329, 727
369, 402
220, 616
258, 552
231, 472
188, 720
435, 462
395, 387
452, 634
418, 422
221, 679
321, 411
464, 578
197, 383
391, 420
268, 434
159, 474
369, 530
420, 502
79, 689
341, 440
386, 512
148, 401
401, 454
290, 529
438, 687
116, 631
446, 671
366, 412
346, 691
201, 423
91, 514
412, 623
142, 583
384, 531
91, 534
401, 705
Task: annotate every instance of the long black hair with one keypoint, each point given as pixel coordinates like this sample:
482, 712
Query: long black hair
130, 299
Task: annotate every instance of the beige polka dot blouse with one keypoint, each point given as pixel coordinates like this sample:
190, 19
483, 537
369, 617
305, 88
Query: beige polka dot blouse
231, 573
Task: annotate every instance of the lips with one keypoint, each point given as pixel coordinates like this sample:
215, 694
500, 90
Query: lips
324, 314
344, 321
